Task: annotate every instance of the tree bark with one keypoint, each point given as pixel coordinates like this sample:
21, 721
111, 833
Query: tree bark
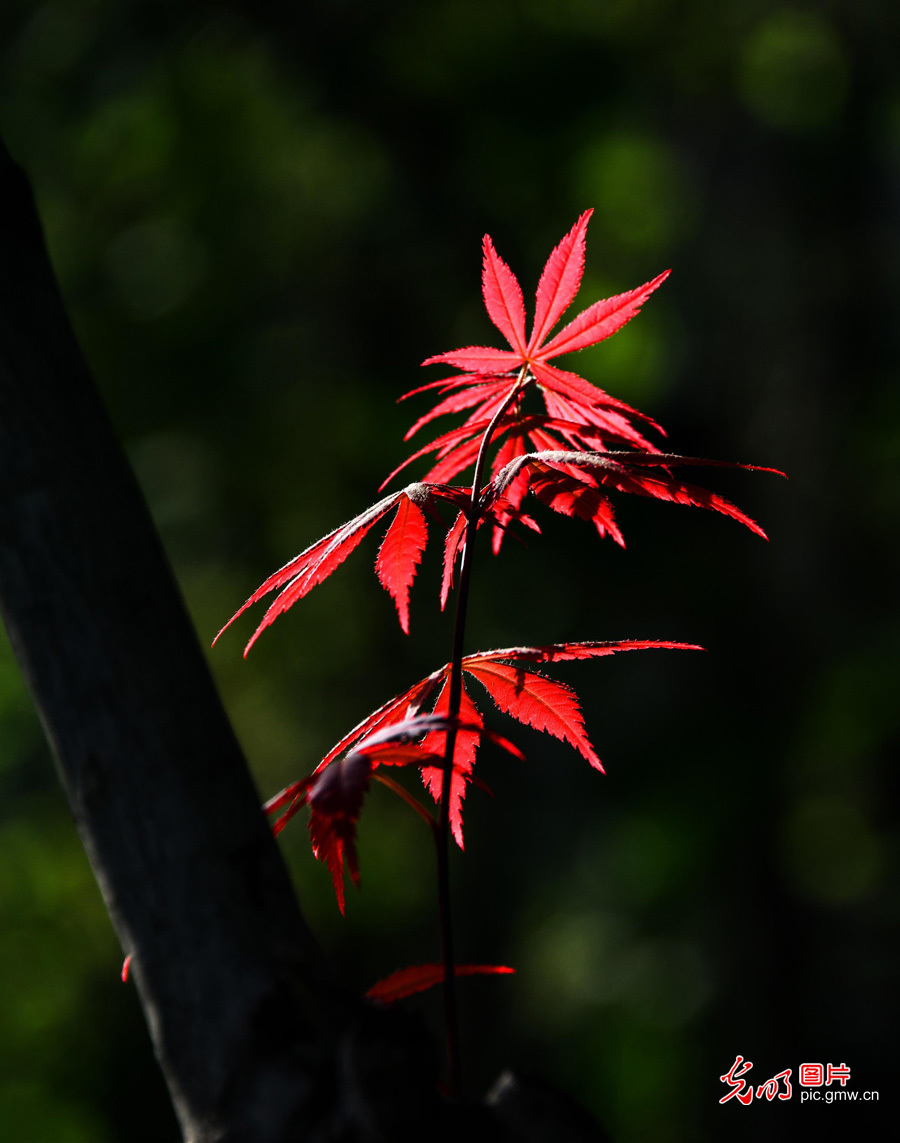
251, 1030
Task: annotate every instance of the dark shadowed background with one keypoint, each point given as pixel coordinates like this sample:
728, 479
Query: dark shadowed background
263, 217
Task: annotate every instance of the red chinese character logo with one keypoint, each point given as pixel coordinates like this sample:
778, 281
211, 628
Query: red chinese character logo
841, 1073
811, 1075
769, 1089
740, 1089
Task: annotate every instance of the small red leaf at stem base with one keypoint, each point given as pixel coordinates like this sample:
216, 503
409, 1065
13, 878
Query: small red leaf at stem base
126, 966
421, 977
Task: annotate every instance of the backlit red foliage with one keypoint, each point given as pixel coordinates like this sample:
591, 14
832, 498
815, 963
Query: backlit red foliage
528, 428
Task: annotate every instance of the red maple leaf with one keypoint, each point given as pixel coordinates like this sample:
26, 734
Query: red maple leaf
578, 413
466, 747
336, 790
562, 456
398, 734
396, 565
556, 290
575, 484
532, 698
420, 977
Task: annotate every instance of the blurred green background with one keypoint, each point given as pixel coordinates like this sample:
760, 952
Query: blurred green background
263, 217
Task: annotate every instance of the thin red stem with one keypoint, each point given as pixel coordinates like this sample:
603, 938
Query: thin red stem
454, 1083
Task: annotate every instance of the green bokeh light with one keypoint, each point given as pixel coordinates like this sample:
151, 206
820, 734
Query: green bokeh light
794, 71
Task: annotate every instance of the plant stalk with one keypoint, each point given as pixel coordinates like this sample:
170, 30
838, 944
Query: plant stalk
454, 1083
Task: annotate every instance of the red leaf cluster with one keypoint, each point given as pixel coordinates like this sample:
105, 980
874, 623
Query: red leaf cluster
398, 734
577, 414
420, 977
399, 555
569, 456
336, 790
570, 449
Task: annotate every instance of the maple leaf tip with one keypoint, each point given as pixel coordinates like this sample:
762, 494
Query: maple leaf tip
251, 641
222, 630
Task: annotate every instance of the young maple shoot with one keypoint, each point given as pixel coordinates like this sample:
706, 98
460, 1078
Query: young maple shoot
529, 428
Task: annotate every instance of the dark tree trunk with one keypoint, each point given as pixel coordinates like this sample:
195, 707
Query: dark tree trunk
249, 1027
